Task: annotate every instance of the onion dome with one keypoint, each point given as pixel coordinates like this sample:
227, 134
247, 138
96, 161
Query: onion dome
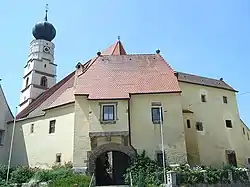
44, 30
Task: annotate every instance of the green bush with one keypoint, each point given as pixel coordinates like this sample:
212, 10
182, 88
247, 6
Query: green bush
3, 172
3, 184
22, 174
53, 174
187, 175
144, 171
80, 180
67, 165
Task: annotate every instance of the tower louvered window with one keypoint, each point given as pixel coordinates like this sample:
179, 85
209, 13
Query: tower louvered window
44, 82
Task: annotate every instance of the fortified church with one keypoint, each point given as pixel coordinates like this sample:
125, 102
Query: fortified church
118, 103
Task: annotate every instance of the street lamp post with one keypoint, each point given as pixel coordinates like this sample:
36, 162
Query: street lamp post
162, 147
11, 146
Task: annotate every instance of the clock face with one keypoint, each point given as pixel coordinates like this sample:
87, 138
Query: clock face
46, 49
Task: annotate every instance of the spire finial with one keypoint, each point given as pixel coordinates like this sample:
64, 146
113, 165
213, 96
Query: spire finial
118, 37
46, 12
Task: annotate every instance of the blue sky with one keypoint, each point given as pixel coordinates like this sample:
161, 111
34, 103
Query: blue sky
208, 38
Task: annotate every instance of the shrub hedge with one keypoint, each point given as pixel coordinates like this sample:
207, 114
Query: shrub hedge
147, 172
57, 176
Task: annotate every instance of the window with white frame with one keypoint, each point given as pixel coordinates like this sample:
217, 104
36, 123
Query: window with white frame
108, 112
156, 112
1, 137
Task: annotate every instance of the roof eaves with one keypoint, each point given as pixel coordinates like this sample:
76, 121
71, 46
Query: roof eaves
244, 124
26, 118
60, 105
166, 92
190, 82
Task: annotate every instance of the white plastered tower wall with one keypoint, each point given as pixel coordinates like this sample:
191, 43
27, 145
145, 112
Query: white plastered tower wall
40, 69
40, 64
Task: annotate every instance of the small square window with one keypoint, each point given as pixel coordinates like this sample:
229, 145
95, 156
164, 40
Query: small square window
203, 98
199, 126
1, 137
229, 124
52, 126
108, 113
58, 157
225, 99
188, 124
243, 130
31, 128
157, 114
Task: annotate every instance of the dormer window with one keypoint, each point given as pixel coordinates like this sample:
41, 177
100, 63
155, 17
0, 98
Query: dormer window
44, 81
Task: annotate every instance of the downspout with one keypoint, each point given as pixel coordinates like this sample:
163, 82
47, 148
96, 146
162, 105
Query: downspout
129, 123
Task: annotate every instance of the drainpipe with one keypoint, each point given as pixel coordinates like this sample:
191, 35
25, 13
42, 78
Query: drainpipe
129, 123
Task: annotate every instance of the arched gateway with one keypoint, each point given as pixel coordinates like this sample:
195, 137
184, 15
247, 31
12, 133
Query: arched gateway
120, 155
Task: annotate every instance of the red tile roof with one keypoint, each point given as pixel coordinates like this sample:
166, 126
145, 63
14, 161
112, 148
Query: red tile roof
205, 81
43, 101
117, 76
112, 75
115, 49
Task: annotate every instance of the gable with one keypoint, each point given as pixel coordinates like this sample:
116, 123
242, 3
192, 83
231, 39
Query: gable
5, 112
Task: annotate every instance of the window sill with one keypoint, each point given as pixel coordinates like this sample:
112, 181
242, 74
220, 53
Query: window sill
108, 122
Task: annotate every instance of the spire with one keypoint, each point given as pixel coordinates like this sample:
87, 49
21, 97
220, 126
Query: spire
46, 12
44, 30
115, 49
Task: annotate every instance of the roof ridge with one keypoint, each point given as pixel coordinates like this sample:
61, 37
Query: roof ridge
139, 54
88, 65
166, 63
112, 53
200, 76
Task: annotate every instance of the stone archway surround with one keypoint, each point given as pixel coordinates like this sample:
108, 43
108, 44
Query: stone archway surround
128, 150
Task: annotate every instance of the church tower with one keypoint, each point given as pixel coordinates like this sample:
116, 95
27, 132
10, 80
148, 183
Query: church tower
40, 69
